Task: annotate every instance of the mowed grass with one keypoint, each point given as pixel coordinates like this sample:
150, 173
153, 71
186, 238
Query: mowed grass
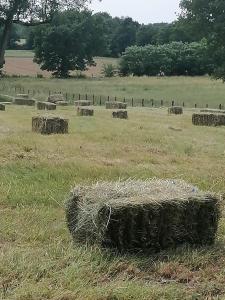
190, 90
37, 257
19, 53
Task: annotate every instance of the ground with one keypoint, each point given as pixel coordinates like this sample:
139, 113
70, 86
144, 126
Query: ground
37, 257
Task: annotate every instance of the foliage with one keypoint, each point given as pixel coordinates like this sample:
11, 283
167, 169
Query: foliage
108, 70
175, 58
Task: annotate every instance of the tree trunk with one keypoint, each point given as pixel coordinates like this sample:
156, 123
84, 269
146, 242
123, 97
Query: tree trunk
4, 40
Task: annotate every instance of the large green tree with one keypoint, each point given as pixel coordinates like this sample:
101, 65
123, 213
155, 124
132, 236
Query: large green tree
29, 13
208, 17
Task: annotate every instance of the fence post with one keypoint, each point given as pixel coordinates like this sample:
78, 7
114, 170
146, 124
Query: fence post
49, 92
115, 99
220, 106
173, 103
100, 100
79, 97
124, 100
142, 102
161, 102
207, 105
93, 97
86, 97
195, 105
152, 102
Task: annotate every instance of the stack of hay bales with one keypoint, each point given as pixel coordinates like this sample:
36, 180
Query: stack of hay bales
115, 105
82, 103
85, 112
46, 106
49, 125
2, 107
210, 110
23, 99
207, 119
146, 216
120, 114
55, 98
175, 110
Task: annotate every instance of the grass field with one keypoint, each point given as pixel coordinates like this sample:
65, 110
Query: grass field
37, 258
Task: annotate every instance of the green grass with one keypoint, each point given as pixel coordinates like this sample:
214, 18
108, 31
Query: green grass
19, 53
37, 258
190, 90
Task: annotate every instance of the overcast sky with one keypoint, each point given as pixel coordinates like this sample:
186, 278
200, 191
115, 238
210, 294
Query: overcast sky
143, 11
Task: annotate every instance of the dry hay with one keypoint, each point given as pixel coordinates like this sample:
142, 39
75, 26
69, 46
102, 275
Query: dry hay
85, 112
46, 106
55, 98
210, 110
115, 105
82, 103
24, 96
120, 114
2, 107
24, 101
62, 103
49, 125
136, 215
203, 119
175, 110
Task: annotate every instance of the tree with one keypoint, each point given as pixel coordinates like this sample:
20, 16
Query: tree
208, 17
29, 13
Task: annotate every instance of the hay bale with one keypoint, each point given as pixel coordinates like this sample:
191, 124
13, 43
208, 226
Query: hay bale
2, 107
23, 96
85, 112
82, 103
6, 98
24, 101
115, 105
120, 114
147, 216
62, 103
175, 110
46, 106
49, 125
54, 98
210, 110
204, 119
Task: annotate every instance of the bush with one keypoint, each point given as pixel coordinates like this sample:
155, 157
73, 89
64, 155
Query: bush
108, 70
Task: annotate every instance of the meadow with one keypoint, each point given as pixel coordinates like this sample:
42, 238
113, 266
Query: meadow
37, 257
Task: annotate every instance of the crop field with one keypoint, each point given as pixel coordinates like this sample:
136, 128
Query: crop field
38, 259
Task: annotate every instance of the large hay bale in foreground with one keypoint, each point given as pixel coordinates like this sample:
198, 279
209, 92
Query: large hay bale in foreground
2, 107
49, 125
120, 114
85, 112
210, 110
204, 119
144, 216
55, 98
175, 110
115, 105
82, 103
24, 101
46, 106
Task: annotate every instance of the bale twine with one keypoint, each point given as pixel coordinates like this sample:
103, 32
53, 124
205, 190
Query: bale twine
210, 110
136, 215
24, 101
175, 110
62, 103
82, 103
85, 112
203, 119
55, 98
120, 114
2, 107
46, 106
49, 125
115, 105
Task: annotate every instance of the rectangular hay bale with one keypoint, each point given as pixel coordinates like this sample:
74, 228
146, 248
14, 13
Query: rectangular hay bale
2, 107
207, 119
55, 98
82, 103
115, 105
46, 106
24, 101
175, 110
85, 112
120, 114
49, 125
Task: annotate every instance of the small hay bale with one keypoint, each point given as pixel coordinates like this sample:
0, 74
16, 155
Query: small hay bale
6, 98
2, 107
120, 114
115, 105
46, 106
85, 112
204, 119
82, 103
148, 216
24, 101
54, 98
23, 96
49, 125
175, 110
62, 103
210, 110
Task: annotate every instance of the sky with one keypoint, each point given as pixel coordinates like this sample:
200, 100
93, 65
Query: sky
143, 11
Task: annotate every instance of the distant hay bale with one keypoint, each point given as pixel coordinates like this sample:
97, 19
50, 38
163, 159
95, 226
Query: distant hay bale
62, 103
204, 119
120, 114
2, 107
49, 125
85, 112
115, 105
210, 110
24, 101
23, 96
136, 215
55, 98
46, 106
175, 110
6, 99
82, 103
